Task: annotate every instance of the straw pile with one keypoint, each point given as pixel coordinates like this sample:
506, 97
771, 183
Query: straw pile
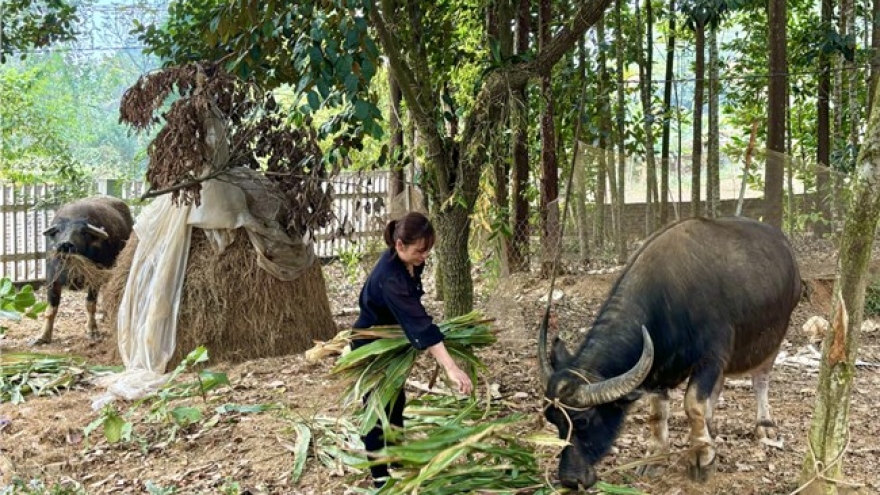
233, 307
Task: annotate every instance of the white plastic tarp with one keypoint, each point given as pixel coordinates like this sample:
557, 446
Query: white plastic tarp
148, 312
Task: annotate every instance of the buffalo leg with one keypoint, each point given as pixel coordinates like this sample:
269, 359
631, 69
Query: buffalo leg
765, 427
713, 402
53, 293
91, 306
659, 423
697, 405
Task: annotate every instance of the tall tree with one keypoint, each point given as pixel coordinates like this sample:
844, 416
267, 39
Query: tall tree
620, 131
777, 100
396, 150
580, 172
875, 49
646, 92
699, 13
713, 158
823, 143
603, 174
667, 116
499, 16
519, 245
549, 168
829, 430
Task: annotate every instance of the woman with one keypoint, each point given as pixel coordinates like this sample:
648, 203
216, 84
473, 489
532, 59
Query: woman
392, 296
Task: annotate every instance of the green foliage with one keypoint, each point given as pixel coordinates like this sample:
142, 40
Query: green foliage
708, 13
350, 258
164, 408
323, 50
38, 487
872, 299
380, 368
24, 373
14, 303
30, 24
154, 489
47, 101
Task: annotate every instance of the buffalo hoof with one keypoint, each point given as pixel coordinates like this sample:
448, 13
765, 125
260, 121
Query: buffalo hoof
701, 473
765, 430
652, 470
39, 341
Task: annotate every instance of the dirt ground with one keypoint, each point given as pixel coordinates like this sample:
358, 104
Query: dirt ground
42, 438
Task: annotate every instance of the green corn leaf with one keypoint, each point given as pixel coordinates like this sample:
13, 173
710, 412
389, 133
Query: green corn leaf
301, 451
616, 489
113, 425
184, 415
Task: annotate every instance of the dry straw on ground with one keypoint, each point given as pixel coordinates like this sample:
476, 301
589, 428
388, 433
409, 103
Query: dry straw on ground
233, 307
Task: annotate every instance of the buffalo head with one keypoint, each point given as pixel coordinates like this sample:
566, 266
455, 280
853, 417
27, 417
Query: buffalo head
587, 408
75, 236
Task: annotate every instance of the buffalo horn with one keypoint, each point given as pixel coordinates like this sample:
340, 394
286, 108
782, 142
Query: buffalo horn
543, 360
594, 394
98, 231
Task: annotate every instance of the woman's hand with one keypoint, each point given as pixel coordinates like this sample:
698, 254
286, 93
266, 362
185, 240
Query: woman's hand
456, 375
460, 378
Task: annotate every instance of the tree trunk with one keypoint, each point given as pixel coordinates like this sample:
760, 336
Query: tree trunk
823, 138
853, 77
875, 49
838, 129
697, 147
497, 21
395, 145
789, 174
519, 245
646, 92
453, 225
713, 159
667, 117
621, 133
549, 168
829, 431
604, 132
580, 165
776, 102
580, 205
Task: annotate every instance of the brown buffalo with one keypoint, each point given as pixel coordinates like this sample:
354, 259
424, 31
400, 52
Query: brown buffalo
96, 228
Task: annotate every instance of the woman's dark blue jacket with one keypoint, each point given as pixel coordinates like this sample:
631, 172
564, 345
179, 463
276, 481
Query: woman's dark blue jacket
390, 296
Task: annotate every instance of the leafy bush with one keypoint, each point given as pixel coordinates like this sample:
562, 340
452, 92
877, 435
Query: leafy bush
872, 299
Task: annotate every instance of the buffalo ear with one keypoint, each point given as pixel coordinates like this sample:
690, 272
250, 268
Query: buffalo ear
559, 356
51, 231
632, 396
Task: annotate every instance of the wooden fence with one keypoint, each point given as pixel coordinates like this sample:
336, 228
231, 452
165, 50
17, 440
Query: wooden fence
360, 207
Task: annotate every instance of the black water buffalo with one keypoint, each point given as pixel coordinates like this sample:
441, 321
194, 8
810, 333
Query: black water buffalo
96, 228
701, 300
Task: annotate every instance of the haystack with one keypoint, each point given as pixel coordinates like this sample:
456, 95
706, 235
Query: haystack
237, 310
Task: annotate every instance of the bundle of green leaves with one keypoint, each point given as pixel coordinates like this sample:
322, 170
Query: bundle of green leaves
24, 373
381, 367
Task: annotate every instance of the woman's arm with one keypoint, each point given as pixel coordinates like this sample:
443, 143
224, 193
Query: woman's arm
459, 377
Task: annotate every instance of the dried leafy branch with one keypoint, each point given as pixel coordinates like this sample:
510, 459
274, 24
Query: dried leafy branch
253, 133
